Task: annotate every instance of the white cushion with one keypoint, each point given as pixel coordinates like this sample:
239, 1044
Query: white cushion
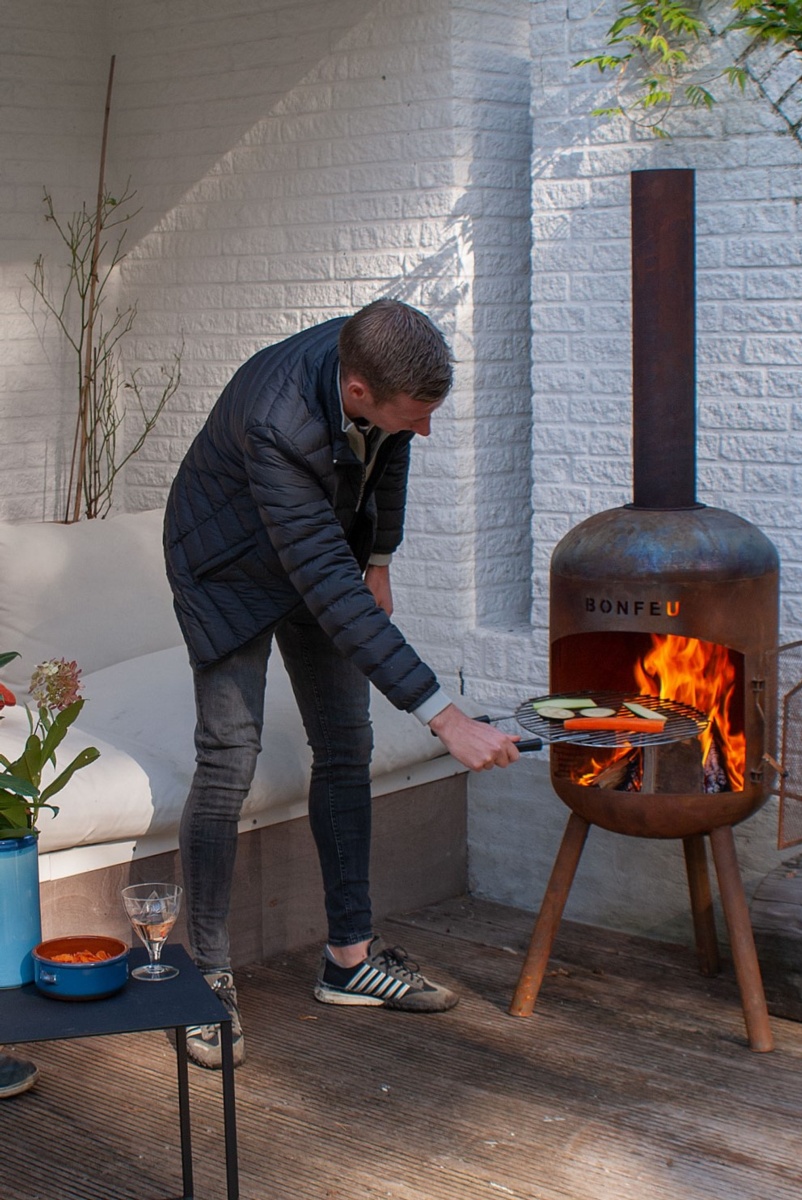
141, 715
111, 798
95, 591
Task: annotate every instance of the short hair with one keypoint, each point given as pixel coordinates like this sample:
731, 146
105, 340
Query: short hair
395, 349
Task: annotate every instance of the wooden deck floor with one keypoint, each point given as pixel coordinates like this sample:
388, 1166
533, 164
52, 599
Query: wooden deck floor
632, 1080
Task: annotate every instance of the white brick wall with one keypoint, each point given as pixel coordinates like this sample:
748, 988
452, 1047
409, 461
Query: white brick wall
293, 168
388, 154
300, 168
749, 317
295, 160
53, 70
749, 343
493, 128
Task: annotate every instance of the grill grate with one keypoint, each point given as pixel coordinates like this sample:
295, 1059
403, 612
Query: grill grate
789, 674
682, 721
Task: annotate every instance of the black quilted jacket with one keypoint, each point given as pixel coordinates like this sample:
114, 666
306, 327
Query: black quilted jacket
270, 510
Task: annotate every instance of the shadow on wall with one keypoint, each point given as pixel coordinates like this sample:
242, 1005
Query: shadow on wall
499, 193
186, 92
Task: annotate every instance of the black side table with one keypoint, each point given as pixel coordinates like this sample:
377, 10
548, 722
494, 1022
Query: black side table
28, 1016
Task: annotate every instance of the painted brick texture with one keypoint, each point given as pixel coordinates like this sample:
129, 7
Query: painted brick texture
293, 162
328, 180
53, 69
749, 318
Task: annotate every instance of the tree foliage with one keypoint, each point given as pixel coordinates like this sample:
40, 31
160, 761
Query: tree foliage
660, 53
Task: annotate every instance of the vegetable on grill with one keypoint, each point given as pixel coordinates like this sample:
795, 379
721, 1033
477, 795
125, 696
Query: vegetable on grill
640, 710
625, 724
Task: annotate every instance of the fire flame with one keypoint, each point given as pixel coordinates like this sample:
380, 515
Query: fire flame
701, 674
696, 673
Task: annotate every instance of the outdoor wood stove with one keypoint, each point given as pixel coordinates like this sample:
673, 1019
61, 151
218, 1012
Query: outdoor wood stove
665, 597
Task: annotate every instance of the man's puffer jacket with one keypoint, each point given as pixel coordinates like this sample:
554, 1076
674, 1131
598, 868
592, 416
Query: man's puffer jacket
270, 511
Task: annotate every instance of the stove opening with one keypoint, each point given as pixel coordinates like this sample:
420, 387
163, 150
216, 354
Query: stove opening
704, 675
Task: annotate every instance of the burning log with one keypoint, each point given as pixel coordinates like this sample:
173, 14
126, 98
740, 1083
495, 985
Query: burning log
623, 775
715, 777
675, 768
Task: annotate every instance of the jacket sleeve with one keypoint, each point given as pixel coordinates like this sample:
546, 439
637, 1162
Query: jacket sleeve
311, 545
391, 500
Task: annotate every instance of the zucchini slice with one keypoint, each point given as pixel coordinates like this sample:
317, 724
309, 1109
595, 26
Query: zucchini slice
640, 710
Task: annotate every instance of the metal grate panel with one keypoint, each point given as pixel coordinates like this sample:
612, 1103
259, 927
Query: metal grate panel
682, 721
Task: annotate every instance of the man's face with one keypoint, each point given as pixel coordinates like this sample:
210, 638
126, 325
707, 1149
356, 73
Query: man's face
397, 415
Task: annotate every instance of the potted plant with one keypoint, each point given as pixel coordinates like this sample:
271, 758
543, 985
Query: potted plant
55, 687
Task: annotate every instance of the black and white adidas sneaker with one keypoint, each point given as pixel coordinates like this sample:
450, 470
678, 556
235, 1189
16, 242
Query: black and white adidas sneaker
386, 977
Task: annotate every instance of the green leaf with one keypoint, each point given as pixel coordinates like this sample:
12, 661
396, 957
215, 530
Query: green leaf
83, 759
698, 95
5, 659
13, 811
9, 830
21, 787
605, 62
736, 76
29, 764
58, 730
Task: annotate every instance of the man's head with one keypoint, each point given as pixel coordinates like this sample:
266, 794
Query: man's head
395, 366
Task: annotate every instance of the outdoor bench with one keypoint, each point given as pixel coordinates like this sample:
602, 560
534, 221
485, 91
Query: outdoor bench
96, 592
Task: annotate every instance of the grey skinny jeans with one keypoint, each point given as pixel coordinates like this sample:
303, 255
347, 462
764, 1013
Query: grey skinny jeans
333, 699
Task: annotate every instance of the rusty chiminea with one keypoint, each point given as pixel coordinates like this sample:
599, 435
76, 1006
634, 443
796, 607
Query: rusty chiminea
666, 597
666, 566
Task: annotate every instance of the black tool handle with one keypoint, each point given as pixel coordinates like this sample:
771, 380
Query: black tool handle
529, 744
523, 747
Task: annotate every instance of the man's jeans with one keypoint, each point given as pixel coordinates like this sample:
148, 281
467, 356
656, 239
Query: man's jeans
333, 698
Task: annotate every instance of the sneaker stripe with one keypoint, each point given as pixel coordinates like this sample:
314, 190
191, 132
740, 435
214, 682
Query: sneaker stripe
360, 982
372, 982
396, 989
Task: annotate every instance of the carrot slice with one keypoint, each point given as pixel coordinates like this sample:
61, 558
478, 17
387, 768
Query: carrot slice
626, 724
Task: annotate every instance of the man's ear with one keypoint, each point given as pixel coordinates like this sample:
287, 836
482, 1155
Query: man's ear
357, 398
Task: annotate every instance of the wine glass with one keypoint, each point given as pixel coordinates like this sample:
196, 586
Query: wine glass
152, 909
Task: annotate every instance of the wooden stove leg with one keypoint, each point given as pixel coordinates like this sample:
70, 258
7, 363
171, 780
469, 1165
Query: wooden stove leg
548, 920
704, 920
742, 941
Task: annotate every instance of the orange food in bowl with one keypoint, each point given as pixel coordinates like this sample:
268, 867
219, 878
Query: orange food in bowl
82, 956
80, 949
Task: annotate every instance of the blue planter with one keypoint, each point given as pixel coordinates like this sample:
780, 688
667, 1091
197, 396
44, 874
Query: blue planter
20, 919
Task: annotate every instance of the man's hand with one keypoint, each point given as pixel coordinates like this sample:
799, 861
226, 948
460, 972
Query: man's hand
473, 743
378, 580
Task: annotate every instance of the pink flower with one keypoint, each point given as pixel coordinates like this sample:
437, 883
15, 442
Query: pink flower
55, 684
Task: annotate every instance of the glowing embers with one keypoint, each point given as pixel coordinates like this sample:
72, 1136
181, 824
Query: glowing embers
701, 674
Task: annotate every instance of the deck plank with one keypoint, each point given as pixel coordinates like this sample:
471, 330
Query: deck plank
631, 1081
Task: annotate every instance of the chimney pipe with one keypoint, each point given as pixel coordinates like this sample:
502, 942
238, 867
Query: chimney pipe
663, 339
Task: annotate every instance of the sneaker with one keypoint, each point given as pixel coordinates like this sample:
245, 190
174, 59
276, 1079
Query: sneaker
387, 977
16, 1075
203, 1041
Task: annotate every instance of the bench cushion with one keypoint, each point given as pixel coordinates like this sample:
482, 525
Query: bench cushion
95, 592
140, 715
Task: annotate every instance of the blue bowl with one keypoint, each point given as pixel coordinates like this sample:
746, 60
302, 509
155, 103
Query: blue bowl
76, 980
